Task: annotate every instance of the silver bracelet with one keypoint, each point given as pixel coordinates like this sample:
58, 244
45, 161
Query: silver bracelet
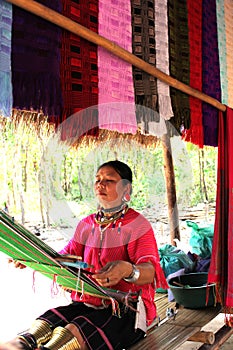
134, 276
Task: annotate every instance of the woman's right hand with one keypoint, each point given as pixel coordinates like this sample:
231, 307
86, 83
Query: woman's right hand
16, 263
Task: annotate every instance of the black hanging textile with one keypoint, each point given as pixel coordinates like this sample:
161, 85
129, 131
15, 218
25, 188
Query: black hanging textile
143, 41
179, 61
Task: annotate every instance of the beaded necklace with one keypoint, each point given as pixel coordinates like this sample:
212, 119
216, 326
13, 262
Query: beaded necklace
105, 221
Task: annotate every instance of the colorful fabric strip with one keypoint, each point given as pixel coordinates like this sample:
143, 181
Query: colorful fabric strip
221, 28
146, 96
210, 71
221, 269
228, 8
162, 58
179, 61
195, 133
116, 92
79, 72
36, 62
5, 59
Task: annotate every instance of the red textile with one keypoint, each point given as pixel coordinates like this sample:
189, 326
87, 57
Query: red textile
135, 243
195, 133
221, 267
79, 74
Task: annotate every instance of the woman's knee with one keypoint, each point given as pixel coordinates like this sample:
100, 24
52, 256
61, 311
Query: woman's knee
74, 330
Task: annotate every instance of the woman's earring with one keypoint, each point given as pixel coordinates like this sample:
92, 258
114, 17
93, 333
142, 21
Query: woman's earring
126, 197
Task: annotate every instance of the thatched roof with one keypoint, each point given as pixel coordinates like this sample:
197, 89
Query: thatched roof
31, 121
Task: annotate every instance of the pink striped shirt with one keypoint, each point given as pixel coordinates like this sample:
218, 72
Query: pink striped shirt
134, 242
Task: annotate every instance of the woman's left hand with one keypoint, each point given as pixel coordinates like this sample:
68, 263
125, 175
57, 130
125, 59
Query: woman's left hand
113, 272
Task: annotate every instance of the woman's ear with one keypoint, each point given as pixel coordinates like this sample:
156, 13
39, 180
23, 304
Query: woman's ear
128, 190
126, 198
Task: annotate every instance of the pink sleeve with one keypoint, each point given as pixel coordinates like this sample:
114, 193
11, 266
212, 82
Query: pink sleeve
144, 249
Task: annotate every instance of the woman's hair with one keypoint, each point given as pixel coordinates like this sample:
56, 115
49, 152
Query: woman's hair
121, 168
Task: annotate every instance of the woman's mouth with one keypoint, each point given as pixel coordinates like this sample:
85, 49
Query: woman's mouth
99, 193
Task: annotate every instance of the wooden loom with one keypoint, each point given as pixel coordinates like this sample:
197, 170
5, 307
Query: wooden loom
20, 244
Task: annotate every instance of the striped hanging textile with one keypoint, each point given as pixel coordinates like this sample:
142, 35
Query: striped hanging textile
221, 266
36, 61
195, 133
162, 58
179, 61
5, 59
79, 73
116, 91
210, 71
145, 86
228, 8
221, 28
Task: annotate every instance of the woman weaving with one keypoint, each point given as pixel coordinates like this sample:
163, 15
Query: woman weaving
120, 244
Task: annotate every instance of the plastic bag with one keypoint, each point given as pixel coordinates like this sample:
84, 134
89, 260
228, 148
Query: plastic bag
201, 238
173, 259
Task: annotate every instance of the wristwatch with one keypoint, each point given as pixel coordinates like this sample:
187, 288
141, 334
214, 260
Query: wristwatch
134, 276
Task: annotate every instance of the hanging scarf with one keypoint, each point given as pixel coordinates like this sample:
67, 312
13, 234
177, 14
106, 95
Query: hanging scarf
179, 61
221, 266
195, 133
221, 28
143, 26
36, 62
116, 92
162, 58
5, 58
228, 8
211, 71
79, 73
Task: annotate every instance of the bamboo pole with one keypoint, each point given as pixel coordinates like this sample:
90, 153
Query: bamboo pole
68, 24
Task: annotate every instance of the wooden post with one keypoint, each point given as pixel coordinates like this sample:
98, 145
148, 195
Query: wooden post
173, 216
203, 337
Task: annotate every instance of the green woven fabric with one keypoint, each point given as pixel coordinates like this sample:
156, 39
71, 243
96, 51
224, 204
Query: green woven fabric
20, 244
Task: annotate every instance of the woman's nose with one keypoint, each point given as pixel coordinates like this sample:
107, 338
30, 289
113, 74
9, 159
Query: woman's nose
101, 183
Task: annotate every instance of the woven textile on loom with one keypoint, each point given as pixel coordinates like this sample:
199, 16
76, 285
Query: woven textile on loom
36, 62
21, 245
5, 59
210, 72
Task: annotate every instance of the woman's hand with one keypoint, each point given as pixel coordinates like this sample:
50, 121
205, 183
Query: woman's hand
17, 264
113, 272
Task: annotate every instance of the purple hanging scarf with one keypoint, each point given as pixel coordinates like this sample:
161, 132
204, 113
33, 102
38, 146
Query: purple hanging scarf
36, 61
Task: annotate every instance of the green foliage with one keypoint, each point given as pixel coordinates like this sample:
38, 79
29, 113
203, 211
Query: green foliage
37, 167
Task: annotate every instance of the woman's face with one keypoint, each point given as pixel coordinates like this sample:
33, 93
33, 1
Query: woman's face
108, 187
